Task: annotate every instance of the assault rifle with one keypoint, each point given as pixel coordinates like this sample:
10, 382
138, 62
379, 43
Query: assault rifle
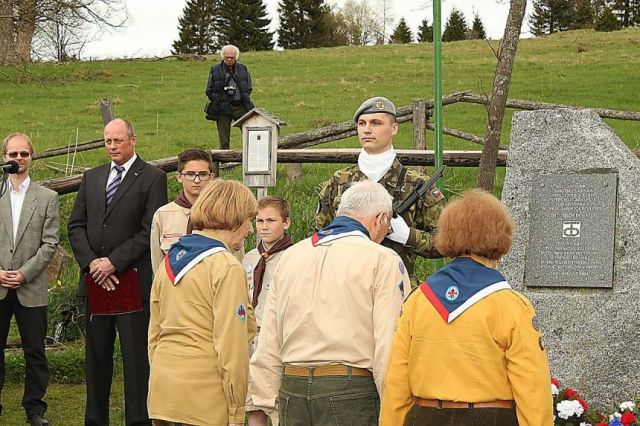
400, 207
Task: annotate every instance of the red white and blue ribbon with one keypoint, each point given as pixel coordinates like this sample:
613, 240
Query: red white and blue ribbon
340, 227
187, 252
459, 285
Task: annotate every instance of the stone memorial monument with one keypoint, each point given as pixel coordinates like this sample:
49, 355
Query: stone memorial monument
573, 188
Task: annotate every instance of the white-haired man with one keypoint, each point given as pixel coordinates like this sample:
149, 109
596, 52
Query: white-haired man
330, 317
229, 91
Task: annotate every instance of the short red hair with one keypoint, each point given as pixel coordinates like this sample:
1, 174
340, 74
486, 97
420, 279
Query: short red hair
475, 223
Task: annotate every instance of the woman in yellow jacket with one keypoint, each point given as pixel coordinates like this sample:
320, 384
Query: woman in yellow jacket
467, 350
201, 319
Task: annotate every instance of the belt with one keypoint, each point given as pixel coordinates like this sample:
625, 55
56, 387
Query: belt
326, 370
437, 403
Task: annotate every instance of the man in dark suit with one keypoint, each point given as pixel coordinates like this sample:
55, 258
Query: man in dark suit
29, 227
109, 230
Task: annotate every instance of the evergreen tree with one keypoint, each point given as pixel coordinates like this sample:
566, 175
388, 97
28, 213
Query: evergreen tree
402, 33
584, 15
627, 11
477, 29
607, 21
199, 28
425, 32
551, 16
303, 24
245, 24
456, 27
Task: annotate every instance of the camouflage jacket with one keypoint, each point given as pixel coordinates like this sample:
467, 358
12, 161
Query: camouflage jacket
421, 217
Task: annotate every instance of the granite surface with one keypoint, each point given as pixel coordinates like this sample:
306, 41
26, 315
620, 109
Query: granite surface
591, 334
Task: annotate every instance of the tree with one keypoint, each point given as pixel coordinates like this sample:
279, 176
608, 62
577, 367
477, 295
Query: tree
303, 24
551, 16
584, 15
627, 11
425, 32
198, 28
402, 33
338, 33
23, 19
383, 20
456, 27
362, 23
607, 21
245, 24
499, 94
60, 37
477, 29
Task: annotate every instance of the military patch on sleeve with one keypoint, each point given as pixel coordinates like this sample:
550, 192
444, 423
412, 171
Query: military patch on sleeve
241, 313
436, 193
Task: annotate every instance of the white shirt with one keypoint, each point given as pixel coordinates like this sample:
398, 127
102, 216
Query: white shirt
114, 172
17, 200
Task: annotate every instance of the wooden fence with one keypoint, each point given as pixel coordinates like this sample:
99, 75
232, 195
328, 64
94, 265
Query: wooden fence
291, 147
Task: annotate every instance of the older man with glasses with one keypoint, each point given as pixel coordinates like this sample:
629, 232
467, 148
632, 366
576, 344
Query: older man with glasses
329, 318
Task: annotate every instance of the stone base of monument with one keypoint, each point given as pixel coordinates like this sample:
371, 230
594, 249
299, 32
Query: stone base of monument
573, 188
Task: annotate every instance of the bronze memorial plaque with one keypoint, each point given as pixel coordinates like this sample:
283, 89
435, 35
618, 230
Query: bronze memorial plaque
572, 230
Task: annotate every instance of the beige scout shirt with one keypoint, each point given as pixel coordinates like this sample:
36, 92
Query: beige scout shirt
199, 335
249, 263
168, 225
334, 303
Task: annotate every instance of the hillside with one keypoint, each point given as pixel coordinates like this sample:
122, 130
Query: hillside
311, 88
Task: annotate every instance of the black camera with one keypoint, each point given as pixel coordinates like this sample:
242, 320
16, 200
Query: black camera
230, 89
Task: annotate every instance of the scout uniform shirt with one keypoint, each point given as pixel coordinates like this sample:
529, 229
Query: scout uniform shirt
470, 352
331, 303
168, 225
421, 217
199, 333
249, 262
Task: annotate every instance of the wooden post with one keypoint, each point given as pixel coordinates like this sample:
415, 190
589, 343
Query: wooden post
105, 110
294, 171
419, 127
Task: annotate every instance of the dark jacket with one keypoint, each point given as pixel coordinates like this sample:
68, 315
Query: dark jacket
220, 100
120, 231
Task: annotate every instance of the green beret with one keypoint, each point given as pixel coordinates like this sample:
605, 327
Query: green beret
375, 105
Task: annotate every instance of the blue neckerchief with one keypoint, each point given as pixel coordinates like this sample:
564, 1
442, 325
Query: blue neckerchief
457, 286
341, 226
187, 252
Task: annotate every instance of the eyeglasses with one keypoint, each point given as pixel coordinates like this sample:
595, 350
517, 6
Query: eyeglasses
15, 154
191, 176
387, 219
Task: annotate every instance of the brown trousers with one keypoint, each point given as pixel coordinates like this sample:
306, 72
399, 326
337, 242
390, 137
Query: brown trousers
427, 416
155, 422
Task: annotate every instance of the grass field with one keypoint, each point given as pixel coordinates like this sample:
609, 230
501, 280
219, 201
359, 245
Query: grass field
66, 404
55, 103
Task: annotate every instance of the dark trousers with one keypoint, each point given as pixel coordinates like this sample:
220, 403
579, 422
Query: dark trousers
99, 343
328, 401
32, 325
224, 125
427, 416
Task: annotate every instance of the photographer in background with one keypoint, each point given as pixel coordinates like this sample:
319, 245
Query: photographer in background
229, 92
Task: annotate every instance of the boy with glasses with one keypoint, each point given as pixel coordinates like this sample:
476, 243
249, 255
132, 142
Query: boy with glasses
172, 220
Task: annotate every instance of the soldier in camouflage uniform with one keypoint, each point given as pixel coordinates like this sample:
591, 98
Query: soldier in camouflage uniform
412, 232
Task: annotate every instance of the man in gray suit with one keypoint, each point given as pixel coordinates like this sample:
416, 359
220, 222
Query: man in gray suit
109, 229
29, 216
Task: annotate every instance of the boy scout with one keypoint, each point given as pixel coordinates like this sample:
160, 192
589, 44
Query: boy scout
411, 233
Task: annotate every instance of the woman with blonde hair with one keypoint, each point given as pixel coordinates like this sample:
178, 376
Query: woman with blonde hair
201, 318
466, 349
